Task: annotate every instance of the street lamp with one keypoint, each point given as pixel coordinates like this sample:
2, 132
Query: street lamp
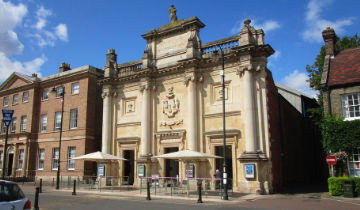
61, 94
222, 73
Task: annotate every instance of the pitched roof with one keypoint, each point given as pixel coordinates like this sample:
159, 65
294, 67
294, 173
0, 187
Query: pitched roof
345, 67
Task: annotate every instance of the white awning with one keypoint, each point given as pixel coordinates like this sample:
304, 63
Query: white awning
99, 157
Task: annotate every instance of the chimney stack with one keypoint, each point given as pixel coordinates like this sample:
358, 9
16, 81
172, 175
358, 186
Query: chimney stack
64, 67
329, 38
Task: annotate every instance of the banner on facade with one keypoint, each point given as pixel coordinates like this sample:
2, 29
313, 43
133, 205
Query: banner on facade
141, 170
249, 171
189, 171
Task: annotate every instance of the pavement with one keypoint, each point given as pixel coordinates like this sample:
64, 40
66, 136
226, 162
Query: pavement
52, 199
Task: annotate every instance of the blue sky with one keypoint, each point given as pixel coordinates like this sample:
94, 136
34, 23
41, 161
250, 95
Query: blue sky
36, 36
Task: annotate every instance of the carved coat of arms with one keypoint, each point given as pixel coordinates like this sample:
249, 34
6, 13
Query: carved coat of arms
171, 104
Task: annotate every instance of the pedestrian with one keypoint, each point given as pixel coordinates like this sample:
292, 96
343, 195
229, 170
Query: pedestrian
217, 176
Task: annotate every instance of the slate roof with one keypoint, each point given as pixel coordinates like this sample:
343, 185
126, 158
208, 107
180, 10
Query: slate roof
345, 68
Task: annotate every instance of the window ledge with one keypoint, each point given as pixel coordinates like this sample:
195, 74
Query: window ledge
351, 118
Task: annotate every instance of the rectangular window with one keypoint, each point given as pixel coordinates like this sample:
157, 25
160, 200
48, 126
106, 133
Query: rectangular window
20, 159
15, 99
45, 95
25, 97
57, 123
13, 125
59, 91
55, 159
6, 101
41, 159
71, 155
23, 123
73, 118
351, 106
75, 88
43, 123
3, 128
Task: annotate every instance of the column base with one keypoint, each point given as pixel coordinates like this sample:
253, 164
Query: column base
253, 156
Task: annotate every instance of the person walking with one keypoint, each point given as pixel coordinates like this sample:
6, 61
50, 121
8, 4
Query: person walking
217, 176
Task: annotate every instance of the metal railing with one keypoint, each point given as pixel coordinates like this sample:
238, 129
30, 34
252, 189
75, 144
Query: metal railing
173, 186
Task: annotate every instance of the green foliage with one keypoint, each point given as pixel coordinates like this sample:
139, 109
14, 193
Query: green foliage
339, 135
336, 187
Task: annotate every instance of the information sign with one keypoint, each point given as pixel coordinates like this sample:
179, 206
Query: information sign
7, 116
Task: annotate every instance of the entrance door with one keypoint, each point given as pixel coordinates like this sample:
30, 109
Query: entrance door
171, 166
10, 164
129, 166
220, 162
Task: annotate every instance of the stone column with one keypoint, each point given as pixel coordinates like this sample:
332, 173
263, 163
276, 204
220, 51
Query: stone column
192, 112
145, 121
15, 160
249, 112
23, 173
106, 127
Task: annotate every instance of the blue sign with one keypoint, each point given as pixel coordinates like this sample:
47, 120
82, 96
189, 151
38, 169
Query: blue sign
101, 170
7, 116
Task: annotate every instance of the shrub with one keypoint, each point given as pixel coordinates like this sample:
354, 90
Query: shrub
336, 185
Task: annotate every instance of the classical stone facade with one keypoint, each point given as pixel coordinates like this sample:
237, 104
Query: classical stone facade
34, 133
171, 100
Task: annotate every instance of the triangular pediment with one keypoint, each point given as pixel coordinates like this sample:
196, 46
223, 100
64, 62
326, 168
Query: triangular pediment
15, 80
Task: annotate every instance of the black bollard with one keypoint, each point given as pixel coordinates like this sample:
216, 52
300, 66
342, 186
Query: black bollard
40, 185
74, 188
36, 202
199, 191
148, 190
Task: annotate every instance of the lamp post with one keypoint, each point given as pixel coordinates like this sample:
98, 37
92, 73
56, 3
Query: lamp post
62, 93
222, 73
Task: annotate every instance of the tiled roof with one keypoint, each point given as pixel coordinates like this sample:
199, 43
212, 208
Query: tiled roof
345, 67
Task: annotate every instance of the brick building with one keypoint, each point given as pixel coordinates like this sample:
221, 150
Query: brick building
33, 142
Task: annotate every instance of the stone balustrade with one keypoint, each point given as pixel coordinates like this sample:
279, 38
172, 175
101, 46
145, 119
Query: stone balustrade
128, 69
225, 44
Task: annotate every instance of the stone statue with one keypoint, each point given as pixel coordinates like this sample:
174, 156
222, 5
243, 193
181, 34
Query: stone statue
172, 12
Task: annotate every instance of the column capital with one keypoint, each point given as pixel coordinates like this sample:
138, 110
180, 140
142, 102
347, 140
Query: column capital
250, 68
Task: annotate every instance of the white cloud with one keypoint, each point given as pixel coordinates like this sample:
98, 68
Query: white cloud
61, 32
298, 81
267, 26
41, 15
10, 16
7, 66
276, 55
315, 24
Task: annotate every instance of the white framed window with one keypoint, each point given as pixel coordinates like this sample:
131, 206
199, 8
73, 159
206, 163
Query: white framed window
75, 88
13, 125
55, 159
41, 159
15, 99
20, 159
71, 155
59, 91
6, 101
25, 97
73, 118
351, 106
45, 95
3, 127
57, 123
23, 123
43, 123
